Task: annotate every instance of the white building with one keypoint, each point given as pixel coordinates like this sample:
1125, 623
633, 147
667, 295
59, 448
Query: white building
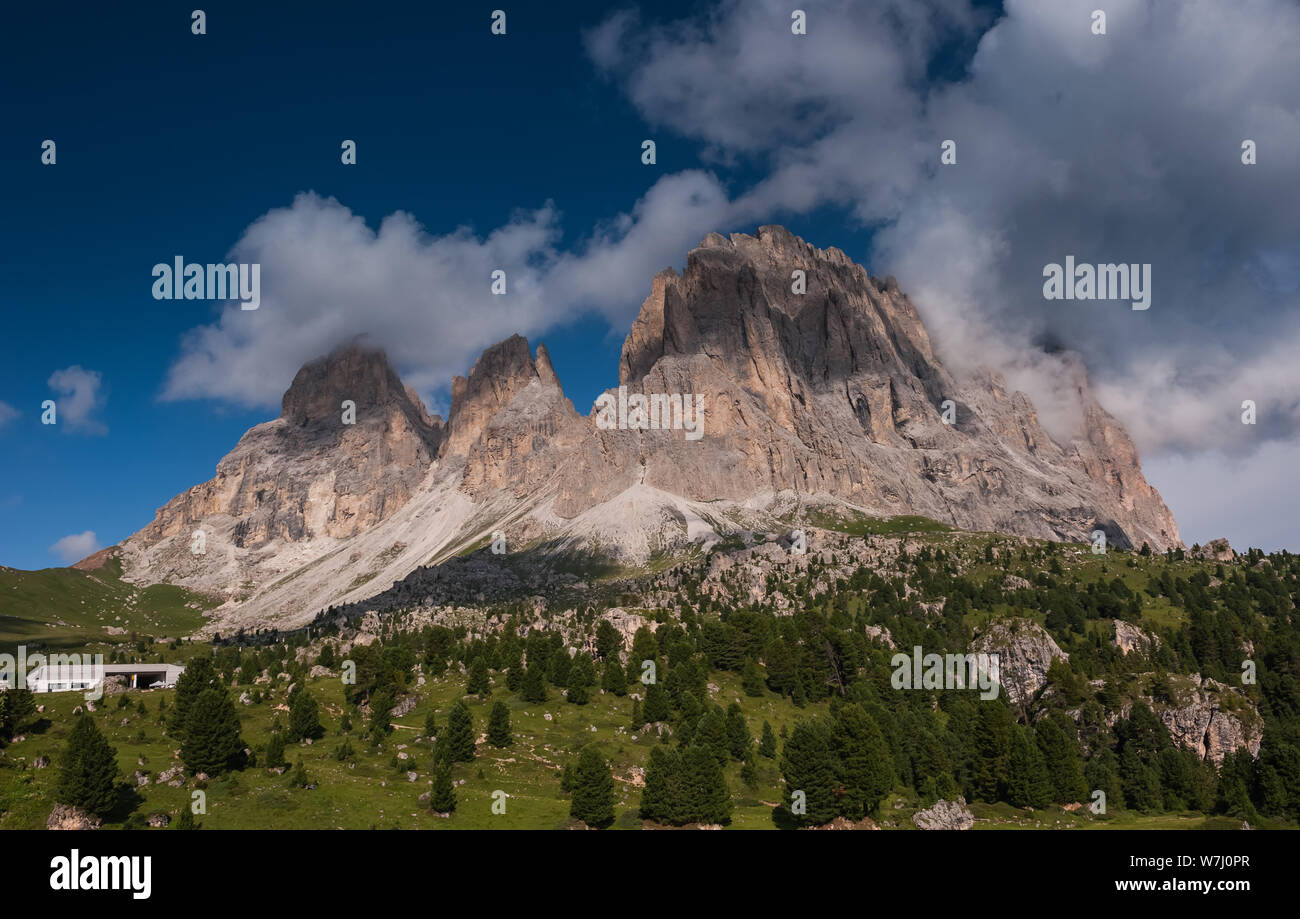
85, 677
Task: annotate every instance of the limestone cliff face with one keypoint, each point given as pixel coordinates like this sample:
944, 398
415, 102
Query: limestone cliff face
838, 392
510, 421
314, 472
830, 396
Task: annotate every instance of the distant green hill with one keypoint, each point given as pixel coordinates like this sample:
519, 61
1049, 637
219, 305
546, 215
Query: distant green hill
68, 607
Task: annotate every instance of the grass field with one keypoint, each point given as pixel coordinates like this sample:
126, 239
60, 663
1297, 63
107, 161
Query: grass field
66, 608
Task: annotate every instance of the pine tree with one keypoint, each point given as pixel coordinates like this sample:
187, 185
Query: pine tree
656, 704
614, 678
738, 739
561, 664
866, 767
381, 705
751, 679
199, 674
767, 743
304, 716
498, 732
17, 708
1061, 756
185, 821
705, 796
430, 724
662, 793
637, 720
711, 733
515, 677
88, 771
593, 790
275, 751
991, 749
210, 743
749, 771
460, 734
582, 675
442, 796
534, 687
808, 765
1028, 784
480, 683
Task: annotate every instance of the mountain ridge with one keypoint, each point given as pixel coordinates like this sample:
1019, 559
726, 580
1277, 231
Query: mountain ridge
832, 396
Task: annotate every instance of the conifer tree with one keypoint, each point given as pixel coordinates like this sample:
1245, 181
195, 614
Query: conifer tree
705, 796
304, 716
460, 734
711, 733
275, 751
381, 705
480, 683
498, 732
738, 739
582, 675
561, 663
991, 749
866, 766
88, 769
808, 765
199, 674
662, 793
751, 678
656, 704
593, 790
767, 742
210, 743
534, 686
614, 678
17, 708
1027, 781
1061, 756
430, 724
442, 796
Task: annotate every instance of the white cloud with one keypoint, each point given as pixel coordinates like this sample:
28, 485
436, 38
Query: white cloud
1123, 147
327, 277
7, 413
80, 396
75, 547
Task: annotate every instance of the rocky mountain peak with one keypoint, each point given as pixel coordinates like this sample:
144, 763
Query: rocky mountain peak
356, 372
503, 371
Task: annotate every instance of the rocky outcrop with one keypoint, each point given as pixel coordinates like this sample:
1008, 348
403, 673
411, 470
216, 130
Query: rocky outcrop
1025, 652
1129, 638
67, 817
1210, 718
945, 815
1216, 550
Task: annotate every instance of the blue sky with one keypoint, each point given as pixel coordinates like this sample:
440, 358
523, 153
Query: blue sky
170, 143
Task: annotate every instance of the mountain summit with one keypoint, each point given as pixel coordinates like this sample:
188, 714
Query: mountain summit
817, 390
